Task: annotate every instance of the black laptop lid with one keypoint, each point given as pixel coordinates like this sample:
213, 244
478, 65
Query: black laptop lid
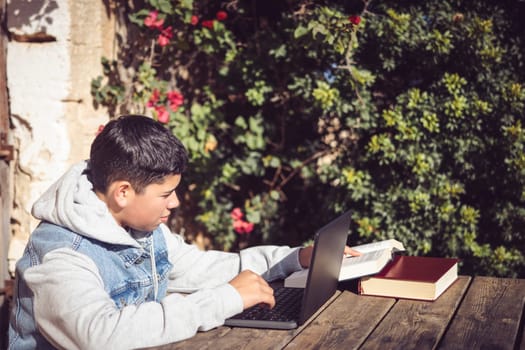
327, 257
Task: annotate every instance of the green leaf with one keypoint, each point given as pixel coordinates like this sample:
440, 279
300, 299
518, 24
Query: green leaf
241, 122
163, 6
274, 195
300, 31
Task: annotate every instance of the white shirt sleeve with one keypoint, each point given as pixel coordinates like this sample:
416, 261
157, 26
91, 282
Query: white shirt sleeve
194, 269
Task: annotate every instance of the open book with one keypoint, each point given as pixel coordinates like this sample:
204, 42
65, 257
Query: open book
374, 257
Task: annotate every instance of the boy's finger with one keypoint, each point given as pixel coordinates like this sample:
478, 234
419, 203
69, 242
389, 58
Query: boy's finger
351, 252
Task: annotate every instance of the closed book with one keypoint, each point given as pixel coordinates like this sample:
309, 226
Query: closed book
412, 277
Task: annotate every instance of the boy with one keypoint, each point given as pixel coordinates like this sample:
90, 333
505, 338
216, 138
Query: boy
96, 271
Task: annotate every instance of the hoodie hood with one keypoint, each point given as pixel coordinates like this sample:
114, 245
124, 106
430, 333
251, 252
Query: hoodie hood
71, 202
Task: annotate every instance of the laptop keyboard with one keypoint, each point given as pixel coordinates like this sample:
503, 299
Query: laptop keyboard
287, 306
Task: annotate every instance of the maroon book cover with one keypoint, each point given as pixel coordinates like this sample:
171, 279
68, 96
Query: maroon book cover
416, 268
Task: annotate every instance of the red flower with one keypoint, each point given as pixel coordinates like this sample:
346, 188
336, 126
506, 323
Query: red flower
165, 36
221, 15
155, 96
162, 114
242, 227
236, 214
176, 99
239, 225
152, 22
208, 24
355, 20
194, 20
248, 227
100, 128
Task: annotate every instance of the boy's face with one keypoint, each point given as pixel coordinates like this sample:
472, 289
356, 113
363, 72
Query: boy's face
147, 210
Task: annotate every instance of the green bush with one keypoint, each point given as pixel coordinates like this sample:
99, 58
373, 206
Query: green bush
408, 113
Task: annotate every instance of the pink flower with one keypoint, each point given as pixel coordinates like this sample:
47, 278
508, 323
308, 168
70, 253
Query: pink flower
151, 20
162, 114
165, 36
236, 214
355, 20
174, 107
194, 20
239, 225
176, 99
155, 96
221, 15
243, 227
208, 24
247, 227
162, 40
100, 128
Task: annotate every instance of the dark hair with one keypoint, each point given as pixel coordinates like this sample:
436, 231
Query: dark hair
137, 149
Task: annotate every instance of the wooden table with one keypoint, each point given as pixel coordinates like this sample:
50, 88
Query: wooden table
474, 313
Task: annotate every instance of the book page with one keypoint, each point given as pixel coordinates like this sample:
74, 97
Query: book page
366, 256
365, 264
381, 245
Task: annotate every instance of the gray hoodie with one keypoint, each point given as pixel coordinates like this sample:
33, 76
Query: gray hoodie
72, 309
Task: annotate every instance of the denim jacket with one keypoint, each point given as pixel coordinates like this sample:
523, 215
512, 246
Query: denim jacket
126, 273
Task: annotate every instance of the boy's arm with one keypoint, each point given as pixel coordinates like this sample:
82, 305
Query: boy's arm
194, 269
72, 309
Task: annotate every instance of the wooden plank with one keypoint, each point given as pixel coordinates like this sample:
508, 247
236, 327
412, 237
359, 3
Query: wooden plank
345, 324
234, 338
521, 342
202, 340
489, 316
243, 338
412, 324
6, 150
251, 338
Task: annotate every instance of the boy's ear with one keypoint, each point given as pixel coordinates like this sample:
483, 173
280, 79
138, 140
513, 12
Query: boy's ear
122, 193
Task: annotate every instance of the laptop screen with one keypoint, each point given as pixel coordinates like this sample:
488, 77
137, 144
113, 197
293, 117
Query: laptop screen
326, 262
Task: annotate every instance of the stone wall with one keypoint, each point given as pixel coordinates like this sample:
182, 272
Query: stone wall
54, 51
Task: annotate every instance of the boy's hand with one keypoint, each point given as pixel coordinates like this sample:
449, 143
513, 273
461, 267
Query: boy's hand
253, 289
351, 252
305, 255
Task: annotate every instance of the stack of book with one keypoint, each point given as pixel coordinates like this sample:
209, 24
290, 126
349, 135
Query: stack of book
383, 271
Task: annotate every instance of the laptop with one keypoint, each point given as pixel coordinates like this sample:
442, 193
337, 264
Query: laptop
294, 306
